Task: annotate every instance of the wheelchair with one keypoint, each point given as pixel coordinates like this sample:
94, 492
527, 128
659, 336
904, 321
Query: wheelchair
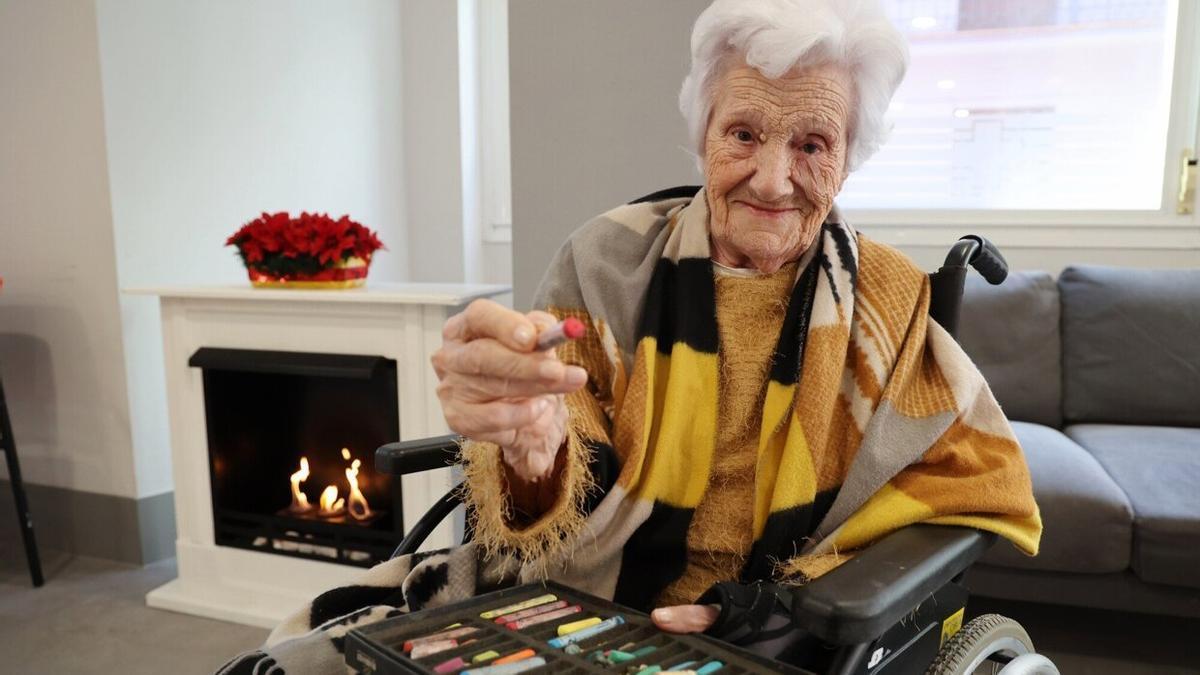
897, 607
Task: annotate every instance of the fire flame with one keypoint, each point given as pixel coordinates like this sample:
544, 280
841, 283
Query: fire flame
358, 507
331, 504
299, 499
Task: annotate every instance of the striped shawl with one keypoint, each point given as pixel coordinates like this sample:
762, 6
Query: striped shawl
873, 419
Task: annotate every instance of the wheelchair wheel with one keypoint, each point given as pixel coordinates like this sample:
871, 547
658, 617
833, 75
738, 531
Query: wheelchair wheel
990, 644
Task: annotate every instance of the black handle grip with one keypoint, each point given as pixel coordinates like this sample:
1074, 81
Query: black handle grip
424, 454
988, 262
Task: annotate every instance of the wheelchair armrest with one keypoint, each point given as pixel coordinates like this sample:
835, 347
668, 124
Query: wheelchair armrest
868, 594
423, 454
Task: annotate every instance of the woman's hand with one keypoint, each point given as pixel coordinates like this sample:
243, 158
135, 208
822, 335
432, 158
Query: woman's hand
496, 387
685, 618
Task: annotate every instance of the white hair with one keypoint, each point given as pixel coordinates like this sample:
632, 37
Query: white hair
775, 36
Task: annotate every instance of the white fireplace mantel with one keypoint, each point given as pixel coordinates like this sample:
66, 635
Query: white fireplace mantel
396, 321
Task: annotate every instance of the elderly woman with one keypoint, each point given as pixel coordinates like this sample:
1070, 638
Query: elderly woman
760, 392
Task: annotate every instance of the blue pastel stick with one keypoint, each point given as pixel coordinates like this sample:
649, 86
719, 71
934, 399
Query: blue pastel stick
508, 668
710, 667
682, 666
581, 635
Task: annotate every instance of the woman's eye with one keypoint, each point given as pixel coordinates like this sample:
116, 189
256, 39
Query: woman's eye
743, 136
810, 148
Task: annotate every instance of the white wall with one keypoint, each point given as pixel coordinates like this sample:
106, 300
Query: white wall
60, 330
216, 111
433, 165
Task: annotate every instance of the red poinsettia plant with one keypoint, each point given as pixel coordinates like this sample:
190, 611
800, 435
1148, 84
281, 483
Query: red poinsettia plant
278, 246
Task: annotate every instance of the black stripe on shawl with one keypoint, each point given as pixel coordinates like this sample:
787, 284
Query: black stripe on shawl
346, 599
654, 556
680, 192
680, 306
827, 266
789, 350
604, 469
785, 533
841, 241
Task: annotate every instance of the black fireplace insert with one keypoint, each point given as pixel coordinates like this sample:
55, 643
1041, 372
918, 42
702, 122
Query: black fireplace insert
291, 438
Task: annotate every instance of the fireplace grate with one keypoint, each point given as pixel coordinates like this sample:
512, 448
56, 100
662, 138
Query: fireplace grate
304, 538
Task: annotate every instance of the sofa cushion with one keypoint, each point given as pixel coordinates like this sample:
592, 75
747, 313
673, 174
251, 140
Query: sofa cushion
1130, 353
1159, 469
1087, 521
1011, 332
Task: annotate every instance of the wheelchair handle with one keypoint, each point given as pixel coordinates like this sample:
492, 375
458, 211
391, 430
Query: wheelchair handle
424, 454
976, 251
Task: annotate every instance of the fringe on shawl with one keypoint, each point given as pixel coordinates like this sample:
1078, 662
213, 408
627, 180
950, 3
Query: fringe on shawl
490, 507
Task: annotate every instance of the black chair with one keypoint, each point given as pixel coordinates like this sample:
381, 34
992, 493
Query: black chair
18, 487
894, 606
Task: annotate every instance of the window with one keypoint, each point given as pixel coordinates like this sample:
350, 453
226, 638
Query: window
483, 54
1038, 105
1042, 123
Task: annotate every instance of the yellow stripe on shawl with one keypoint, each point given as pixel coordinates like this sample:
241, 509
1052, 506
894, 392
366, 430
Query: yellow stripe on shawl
779, 403
679, 439
887, 510
1025, 532
785, 476
890, 508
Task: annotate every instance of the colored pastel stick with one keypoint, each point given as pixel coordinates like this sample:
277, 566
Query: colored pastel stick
644, 651
444, 634
710, 667
649, 670
485, 656
681, 666
508, 668
568, 628
514, 657
543, 618
516, 607
424, 649
581, 635
618, 656
450, 666
533, 611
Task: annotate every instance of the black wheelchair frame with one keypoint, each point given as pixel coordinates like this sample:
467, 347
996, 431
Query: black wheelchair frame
885, 611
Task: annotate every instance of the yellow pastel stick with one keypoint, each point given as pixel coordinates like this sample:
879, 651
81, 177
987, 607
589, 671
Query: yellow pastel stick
485, 656
526, 604
578, 625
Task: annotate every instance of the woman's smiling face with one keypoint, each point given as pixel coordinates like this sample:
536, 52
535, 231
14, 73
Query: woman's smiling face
775, 157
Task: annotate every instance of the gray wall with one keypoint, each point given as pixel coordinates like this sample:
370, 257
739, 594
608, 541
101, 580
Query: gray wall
595, 121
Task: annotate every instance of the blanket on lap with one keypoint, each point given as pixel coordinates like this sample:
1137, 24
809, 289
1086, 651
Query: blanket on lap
873, 419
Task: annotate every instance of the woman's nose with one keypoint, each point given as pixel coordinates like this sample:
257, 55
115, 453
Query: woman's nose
772, 180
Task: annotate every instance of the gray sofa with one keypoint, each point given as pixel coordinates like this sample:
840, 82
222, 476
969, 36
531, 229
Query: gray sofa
1100, 374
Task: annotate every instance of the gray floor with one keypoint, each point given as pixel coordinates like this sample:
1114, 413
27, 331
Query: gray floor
91, 618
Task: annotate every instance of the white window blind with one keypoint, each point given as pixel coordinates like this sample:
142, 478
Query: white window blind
1026, 105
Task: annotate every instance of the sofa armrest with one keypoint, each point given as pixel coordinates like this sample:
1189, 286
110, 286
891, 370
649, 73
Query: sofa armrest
859, 600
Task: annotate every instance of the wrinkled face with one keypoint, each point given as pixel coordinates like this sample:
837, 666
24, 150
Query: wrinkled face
775, 157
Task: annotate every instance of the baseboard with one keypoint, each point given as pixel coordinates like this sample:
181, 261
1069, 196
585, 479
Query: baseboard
137, 531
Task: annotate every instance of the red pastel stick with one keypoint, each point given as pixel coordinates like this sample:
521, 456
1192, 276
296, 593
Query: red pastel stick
569, 328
